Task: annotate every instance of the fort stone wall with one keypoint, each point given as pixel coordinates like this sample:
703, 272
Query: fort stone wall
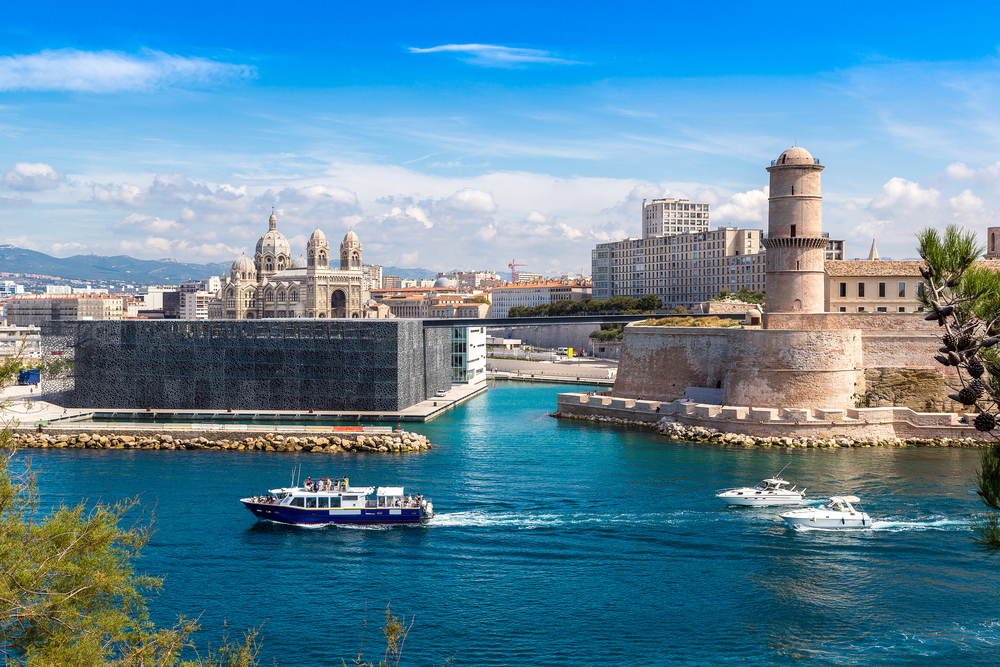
817, 369
660, 362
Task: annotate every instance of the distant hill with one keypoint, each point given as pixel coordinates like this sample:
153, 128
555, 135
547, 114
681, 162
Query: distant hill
123, 268
409, 274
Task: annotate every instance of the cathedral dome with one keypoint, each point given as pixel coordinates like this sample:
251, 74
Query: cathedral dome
796, 155
242, 264
318, 236
299, 263
350, 239
443, 283
273, 242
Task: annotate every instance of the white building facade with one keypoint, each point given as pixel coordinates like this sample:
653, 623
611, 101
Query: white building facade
468, 355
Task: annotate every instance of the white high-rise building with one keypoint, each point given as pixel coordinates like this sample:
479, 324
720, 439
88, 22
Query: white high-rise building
662, 217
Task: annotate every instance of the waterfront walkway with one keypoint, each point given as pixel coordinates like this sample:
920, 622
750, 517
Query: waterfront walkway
593, 372
25, 407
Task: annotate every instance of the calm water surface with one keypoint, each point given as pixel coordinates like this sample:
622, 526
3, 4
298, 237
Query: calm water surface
565, 543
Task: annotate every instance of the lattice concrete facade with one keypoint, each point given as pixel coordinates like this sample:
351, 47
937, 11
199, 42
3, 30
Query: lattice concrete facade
280, 364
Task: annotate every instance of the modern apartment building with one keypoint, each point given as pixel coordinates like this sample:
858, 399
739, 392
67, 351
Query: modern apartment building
661, 217
26, 310
10, 288
682, 269
371, 277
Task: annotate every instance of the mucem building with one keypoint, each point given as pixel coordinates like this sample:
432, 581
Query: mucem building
273, 364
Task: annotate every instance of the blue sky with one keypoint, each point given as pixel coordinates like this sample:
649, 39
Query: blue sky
465, 135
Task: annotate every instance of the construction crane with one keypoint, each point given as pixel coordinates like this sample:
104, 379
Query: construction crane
513, 272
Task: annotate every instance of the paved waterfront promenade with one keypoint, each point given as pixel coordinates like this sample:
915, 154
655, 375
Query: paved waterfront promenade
26, 408
600, 372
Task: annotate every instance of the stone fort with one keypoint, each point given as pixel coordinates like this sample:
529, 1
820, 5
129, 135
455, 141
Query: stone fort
799, 356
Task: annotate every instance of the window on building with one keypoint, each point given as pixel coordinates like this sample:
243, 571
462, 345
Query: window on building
902, 309
843, 290
902, 291
881, 309
861, 309
843, 309
881, 290
861, 290
793, 231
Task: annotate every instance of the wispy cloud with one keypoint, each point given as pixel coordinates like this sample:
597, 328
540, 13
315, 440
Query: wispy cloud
110, 71
491, 55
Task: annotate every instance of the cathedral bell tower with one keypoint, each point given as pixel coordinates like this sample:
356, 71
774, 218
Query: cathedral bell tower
795, 243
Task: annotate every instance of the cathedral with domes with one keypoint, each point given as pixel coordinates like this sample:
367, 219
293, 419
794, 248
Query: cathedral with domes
273, 285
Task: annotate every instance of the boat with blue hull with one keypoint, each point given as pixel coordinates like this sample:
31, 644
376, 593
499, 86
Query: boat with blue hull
340, 504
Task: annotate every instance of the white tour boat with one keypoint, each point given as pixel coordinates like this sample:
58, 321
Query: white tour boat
838, 513
768, 493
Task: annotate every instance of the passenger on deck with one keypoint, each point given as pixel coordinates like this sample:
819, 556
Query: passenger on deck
329, 484
308, 484
346, 485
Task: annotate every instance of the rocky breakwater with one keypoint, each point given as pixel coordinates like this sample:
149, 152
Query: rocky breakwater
674, 430
342, 442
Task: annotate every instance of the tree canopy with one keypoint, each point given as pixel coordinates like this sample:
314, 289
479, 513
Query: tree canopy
963, 298
618, 305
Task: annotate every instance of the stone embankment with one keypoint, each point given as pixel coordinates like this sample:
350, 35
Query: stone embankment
674, 430
343, 442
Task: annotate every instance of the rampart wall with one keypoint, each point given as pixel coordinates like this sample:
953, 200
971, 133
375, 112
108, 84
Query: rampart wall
780, 422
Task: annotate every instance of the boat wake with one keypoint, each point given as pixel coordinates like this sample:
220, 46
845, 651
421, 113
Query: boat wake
932, 523
528, 521
897, 526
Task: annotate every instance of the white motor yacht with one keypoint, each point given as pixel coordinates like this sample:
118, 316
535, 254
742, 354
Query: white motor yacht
768, 493
838, 513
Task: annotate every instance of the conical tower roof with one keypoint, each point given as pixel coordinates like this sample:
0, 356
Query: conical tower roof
873, 253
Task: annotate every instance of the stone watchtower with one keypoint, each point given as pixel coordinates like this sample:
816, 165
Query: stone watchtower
993, 243
795, 243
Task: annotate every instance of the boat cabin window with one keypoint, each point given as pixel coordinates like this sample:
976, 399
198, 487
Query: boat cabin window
310, 503
324, 503
297, 502
335, 501
350, 497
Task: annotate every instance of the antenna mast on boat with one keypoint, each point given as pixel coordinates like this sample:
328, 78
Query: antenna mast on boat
783, 470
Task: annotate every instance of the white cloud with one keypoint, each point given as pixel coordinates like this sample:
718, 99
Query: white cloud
60, 248
110, 71
13, 202
33, 176
535, 217
321, 193
157, 245
409, 258
487, 233
966, 203
958, 171
419, 215
569, 232
900, 193
138, 222
492, 55
472, 201
743, 207
118, 195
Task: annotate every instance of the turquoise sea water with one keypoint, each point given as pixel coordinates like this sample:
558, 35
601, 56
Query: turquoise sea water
565, 543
